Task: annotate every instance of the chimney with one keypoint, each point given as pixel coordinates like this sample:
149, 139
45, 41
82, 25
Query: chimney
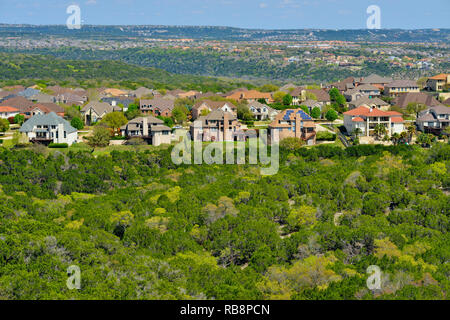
60, 133
145, 126
225, 125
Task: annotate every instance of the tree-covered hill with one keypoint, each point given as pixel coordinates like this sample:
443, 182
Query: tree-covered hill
14, 67
140, 227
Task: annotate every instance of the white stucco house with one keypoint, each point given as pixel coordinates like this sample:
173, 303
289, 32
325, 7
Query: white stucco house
367, 119
49, 128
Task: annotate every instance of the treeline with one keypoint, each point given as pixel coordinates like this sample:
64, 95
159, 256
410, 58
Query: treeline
140, 227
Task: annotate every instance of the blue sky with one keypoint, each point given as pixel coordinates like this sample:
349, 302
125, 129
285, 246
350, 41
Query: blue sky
268, 14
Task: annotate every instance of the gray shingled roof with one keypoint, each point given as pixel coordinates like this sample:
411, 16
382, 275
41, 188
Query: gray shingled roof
50, 119
402, 83
98, 107
374, 78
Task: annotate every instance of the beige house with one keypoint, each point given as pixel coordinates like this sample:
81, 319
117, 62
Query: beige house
369, 103
262, 111
294, 123
149, 128
206, 106
439, 82
399, 87
216, 126
94, 111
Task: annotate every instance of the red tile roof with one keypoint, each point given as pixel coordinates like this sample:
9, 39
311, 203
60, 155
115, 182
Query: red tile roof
8, 109
363, 111
358, 119
397, 119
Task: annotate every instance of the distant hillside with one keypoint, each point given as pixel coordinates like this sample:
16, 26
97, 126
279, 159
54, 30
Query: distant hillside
14, 67
226, 33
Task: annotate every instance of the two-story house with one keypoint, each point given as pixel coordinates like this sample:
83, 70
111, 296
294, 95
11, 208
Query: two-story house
216, 126
293, 123
366, 119
262, 111
95, 111
439, 82
434, 119
204, 107
157, 106
399, 87
149, 128
48, 128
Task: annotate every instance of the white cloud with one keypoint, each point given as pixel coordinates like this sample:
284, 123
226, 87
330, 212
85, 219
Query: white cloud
263, 5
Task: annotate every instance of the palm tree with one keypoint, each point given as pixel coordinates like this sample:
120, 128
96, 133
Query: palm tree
357, 132
411, 132
395, 138
403, 136
379, 130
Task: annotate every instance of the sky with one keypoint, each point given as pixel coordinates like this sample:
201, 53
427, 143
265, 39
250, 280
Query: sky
259, 14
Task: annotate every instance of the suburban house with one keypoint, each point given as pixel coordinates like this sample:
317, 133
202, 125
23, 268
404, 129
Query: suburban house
8, 112
403, 100
43, 108
216, 126
367, 118
206, 106
399, 87
141, 92
17, 102
360, 91
321, 95
70, 99
115, 101
48, 128
28, 92
346, 84
94, 111
261, 111
311, 104
294, 123
434, 119
157, 107
42, 98
250, 95
149, 128
376, 81
299, 95
439, 82
369, 103
113, 92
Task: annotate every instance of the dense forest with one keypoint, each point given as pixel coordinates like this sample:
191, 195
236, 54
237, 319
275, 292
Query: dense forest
140, 227
203, 62
91, 74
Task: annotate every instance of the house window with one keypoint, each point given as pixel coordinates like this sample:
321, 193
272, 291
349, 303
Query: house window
65, 135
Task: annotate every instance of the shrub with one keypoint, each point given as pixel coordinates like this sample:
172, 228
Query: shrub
58, 145
77, 123
325, 136
119, 138
136, 142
